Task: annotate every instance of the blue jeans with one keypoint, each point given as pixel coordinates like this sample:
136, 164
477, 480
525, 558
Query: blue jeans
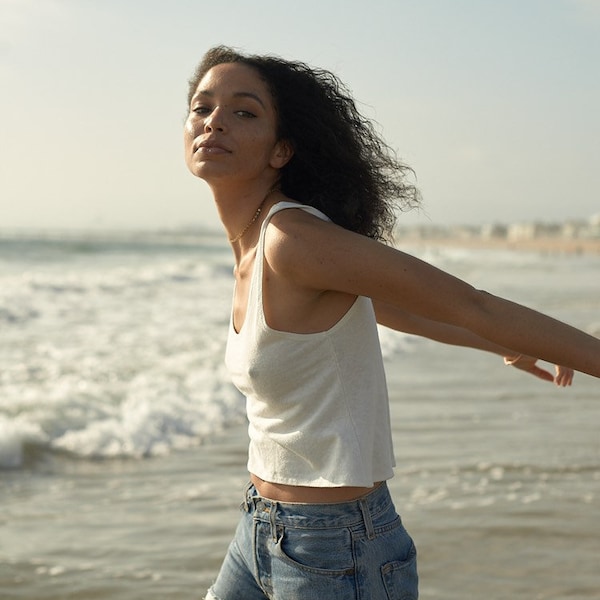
357, 550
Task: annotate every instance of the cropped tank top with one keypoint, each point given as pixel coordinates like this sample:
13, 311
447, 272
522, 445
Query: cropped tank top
317, 403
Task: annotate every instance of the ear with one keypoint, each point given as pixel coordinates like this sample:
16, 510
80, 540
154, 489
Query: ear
282, 154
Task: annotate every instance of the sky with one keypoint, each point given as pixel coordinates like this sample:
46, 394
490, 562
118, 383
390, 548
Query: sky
494, 104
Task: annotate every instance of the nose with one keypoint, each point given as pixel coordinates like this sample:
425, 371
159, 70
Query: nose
215, 120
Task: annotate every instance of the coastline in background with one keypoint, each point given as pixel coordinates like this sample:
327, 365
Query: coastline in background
580, 237
572, 236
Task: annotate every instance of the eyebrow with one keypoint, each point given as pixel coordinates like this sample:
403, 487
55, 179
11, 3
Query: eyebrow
235, 95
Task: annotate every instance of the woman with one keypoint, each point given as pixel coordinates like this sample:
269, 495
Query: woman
305, 190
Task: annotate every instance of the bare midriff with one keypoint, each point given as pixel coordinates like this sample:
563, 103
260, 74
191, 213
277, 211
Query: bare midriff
308, 495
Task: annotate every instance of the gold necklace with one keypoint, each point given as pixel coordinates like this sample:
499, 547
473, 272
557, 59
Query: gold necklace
240, 235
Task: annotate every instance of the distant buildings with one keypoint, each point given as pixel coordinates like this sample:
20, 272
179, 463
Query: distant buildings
570, 230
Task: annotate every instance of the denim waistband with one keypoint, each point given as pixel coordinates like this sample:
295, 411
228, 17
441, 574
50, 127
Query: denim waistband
362, 511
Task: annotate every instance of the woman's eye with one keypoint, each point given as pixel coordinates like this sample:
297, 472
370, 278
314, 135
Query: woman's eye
246, 114
201, 110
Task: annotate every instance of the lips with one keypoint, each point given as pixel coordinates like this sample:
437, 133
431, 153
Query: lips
211, 147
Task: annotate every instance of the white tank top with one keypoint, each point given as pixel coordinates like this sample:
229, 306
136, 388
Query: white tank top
317, 403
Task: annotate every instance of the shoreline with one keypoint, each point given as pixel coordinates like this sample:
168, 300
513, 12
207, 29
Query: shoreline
552, 245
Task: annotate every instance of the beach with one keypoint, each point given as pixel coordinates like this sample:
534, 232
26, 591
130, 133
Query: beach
498, 482
497, 477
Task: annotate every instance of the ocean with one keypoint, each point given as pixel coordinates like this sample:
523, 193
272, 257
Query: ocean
122, 442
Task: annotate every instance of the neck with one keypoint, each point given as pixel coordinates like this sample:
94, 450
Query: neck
242, 211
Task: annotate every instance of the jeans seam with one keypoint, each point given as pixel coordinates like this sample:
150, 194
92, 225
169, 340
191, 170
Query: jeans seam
255, 564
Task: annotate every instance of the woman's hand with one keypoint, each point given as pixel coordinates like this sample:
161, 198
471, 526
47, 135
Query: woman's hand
563, 377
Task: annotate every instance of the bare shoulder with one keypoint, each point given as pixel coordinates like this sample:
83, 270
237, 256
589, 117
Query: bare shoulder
319, 254
298, 239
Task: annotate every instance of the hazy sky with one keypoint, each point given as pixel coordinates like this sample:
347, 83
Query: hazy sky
494, 103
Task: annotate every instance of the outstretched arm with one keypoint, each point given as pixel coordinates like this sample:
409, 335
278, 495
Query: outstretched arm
400, 320
326, 258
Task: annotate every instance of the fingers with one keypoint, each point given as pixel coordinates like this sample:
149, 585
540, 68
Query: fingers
541, 373
529, 365
564, 376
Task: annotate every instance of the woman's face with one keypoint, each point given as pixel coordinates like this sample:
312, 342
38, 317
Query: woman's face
231, 129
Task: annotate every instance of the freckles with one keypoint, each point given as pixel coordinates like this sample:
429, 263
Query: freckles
188, 127
260, 140
189, 134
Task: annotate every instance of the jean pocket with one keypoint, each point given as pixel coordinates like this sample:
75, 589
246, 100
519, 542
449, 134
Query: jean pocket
317, 551
400, 577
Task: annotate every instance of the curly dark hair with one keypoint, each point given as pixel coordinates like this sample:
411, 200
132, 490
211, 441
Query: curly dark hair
340, 165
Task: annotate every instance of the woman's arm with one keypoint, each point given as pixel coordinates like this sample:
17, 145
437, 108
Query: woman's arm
398, 319
322, 256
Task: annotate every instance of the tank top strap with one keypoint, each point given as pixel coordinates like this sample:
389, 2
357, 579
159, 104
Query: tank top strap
257, 275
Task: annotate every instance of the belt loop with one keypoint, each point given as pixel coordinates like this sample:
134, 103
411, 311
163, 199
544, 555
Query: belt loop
272, 516
364, 509
245, 505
